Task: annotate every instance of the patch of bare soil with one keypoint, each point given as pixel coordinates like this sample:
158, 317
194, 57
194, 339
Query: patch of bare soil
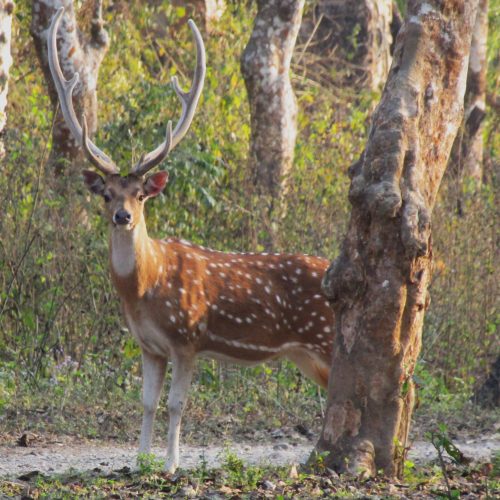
57, 456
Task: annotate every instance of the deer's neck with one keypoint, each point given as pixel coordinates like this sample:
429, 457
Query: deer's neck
133, 260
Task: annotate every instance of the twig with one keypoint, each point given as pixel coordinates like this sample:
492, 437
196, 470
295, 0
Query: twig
311, 36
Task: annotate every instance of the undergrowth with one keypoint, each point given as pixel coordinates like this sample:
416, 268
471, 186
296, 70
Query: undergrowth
64, 354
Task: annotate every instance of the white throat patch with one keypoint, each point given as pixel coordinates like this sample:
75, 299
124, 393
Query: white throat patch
123, 252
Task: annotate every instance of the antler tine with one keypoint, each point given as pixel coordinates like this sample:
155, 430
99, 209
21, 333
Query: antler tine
189, 101
65, 91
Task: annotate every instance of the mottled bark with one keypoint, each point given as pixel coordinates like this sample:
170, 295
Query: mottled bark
357, 35
6, 10
466, 159
77, 53
265, 65
209, 10
378, 284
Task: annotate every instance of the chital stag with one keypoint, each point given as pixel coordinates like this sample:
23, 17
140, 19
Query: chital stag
182, 300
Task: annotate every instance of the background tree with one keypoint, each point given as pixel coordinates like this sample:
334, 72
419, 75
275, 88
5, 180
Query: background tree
378, 284
6, 9
78, 53
209, 10
355, 36
467, 154
265, 64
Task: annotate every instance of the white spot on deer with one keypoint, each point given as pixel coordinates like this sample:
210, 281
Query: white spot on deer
172, 318
327, 329
267, 289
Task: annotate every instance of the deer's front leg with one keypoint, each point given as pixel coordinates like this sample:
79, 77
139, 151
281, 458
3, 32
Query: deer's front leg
182, 371
153, 376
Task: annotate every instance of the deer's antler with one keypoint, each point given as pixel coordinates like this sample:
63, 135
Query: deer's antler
64, 91
189, 100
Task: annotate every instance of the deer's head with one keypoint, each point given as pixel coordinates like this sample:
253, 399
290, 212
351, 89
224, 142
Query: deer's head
124, 196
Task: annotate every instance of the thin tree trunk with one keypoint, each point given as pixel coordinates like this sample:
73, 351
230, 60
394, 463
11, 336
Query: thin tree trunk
378, 284
466, 159
209, 10
265, 65
357, 34
6, 10
77, 53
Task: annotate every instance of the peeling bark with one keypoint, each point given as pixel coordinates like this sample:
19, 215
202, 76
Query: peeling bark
265, 65
378, 284
357, 34
77, 53
6, 10
466, 158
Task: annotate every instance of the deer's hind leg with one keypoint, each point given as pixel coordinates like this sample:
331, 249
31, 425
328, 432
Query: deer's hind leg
312, 366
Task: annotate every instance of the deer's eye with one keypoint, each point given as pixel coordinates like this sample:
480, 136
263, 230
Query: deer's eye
141, 197
107, 197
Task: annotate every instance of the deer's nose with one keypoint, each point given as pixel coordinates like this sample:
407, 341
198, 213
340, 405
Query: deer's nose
122, 217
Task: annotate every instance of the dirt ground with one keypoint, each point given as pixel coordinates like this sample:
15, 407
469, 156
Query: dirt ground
51, 456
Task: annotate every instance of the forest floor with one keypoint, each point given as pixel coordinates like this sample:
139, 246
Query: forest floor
56, 455
51, 465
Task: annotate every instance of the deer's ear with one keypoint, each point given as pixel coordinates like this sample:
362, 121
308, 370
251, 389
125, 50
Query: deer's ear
155, 183
93, 181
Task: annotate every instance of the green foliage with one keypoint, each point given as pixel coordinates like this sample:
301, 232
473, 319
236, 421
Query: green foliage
149, 464
62, 345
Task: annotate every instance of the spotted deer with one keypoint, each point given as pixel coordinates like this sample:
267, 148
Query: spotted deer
182, 300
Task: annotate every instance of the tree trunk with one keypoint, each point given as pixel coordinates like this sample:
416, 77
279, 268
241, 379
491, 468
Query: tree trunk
265, 64
487, 395
77, 53
6, 9
209, 10
466, 159
357, 35
378, 284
